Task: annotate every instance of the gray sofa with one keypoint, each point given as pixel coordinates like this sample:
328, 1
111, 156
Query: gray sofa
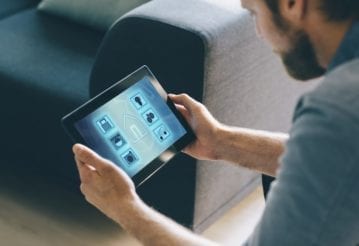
207, 49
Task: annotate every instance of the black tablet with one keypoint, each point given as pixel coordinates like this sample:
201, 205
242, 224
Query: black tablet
133, 123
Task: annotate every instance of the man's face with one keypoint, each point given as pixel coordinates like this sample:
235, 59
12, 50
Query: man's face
291, 43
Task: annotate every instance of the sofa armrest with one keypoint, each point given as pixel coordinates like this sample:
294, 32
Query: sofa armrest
209, 50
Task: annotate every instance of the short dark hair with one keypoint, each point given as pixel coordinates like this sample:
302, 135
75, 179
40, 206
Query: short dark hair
335, 10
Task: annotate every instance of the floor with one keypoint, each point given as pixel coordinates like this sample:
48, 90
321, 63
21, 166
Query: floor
36, 211
238, 223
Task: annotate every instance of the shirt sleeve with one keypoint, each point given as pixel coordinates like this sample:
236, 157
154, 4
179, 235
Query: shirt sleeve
314, 200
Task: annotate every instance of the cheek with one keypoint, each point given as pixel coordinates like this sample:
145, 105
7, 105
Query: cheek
270, 34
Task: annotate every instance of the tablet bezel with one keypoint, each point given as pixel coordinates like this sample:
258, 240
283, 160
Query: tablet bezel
69, 120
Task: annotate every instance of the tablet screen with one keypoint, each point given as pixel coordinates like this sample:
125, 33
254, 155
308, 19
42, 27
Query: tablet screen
133, 128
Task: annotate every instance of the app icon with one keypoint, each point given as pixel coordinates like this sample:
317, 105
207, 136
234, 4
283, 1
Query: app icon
129, 157
162, 133
136, 130
117, 141
150, 117
138, 101
105, 124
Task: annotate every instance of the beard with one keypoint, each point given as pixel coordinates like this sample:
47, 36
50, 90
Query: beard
300, 61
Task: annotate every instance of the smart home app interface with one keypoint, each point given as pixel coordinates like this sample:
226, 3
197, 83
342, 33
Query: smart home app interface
133, 128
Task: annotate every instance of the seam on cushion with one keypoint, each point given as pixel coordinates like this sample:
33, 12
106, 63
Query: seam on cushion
202, 35
205, 35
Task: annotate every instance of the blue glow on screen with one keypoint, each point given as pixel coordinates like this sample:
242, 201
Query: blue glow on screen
133, 128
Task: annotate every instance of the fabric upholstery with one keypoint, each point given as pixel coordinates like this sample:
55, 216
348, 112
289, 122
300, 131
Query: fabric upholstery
9, 7
92, 13
44, 70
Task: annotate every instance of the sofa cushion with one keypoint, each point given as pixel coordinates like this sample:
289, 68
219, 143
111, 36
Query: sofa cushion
94, 13
9, 7
45, 64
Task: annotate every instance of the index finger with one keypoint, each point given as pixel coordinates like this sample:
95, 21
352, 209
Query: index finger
86, 172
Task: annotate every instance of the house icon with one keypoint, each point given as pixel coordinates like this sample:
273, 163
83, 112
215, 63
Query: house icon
134, 127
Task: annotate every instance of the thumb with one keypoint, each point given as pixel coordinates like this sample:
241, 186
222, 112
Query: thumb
185, 100
87, 156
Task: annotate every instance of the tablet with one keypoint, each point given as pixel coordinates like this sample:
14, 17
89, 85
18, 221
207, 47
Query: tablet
133, 123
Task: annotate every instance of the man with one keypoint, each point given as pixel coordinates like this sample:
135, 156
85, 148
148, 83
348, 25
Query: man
315, 199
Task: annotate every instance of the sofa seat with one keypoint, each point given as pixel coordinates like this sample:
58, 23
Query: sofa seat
45, 67
9, 7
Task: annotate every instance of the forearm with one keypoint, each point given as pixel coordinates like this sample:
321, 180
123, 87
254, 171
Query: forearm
253, 149
152, 228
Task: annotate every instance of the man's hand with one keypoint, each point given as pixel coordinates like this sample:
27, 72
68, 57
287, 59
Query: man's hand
103, 184
205, 126
257, 150
109, 189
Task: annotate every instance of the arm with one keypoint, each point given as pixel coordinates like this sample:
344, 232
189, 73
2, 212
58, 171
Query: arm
153, 228
253, 149
109, 189
257, 150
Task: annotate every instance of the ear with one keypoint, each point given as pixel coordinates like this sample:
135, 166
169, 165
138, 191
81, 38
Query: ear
294, 10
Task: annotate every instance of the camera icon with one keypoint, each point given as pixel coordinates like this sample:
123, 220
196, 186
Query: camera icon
129, 157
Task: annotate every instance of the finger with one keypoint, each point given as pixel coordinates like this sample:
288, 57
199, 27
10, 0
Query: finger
79, 164
184, 112
188, 102
187, 150
85, 172
89, 157
85, 190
